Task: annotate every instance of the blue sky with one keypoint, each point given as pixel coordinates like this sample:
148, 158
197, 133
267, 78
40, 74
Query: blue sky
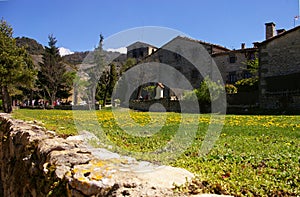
77, 24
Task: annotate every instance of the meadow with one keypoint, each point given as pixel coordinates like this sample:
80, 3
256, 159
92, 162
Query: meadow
253, 155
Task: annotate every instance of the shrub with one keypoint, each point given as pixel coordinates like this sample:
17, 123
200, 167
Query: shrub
230, 89
209, 91
246, 85
190, 95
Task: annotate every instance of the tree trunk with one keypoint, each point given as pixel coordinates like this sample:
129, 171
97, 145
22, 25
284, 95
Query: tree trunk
91, 102
104, 97
75, 96
6, 100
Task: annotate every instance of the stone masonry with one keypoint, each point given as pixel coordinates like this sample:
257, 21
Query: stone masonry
279, 61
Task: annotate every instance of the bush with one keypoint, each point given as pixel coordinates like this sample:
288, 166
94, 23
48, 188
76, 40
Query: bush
209, 91
190, 95
0, 104
246, 85
231, 89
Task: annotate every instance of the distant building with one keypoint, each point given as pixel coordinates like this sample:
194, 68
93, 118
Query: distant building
279, 66
140, 50
159, 91
233, 64
181, 64
279, 69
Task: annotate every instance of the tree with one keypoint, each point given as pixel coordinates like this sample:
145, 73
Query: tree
209, 91
249, 84
64, 90
79, 85
130, 62
95, 71
107, 83
253, 65
53, 76
122, 87
16, 67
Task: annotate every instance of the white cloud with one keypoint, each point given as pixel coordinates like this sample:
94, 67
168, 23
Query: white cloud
120, 50
63, 51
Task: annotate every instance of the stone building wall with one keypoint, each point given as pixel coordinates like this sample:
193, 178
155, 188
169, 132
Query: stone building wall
280, 70
162, 105
140, 50
237, 69
171, 54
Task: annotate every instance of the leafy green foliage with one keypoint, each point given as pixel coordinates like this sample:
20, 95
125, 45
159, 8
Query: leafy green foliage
53, 77
190, 95
79, 85
16, 67
246, 85
122, 87
230, 89
249, 84
253, 65
208, 92
106, 84
130, 62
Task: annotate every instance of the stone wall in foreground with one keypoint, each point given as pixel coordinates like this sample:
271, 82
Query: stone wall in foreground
35, 162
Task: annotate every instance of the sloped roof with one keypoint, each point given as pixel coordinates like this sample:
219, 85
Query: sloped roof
279, 35
138, 44
188, 39
160, 85
201, 42
253, 49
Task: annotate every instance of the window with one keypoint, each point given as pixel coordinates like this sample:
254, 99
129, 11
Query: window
247, 74
232, 78
232, 59
134, 53
251, 56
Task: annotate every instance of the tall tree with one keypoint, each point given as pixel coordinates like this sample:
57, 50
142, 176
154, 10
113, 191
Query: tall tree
95, 71
16, 67
53, 76
107, 83
79, 86
122, 87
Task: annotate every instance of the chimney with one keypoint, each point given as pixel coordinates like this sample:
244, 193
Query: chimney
280, 31
270, 30
243, 46
255, 44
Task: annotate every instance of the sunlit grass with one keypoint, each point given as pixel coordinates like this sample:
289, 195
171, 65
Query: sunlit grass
254, 155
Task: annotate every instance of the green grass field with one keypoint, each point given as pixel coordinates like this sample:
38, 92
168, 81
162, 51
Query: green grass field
253, 156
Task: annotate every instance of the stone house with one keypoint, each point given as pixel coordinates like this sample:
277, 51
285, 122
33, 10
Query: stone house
279, 66
140, 50
159, 91
279, 69
232, 64
180, 63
